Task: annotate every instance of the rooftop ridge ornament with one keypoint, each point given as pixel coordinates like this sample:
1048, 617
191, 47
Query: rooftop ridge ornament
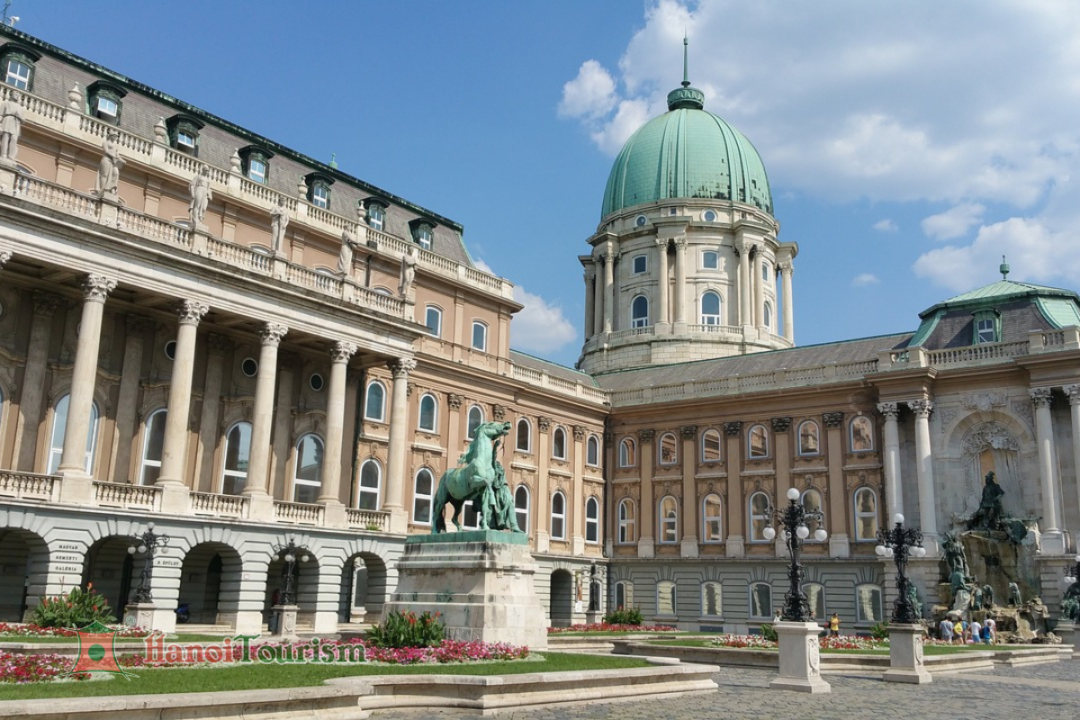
686, 97
1004, 269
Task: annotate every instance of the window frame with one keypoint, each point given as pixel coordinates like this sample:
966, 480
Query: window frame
861, 514
373, 385
558, 516
225, 471
319, 192
709, 433
755, 535
767, 610
528, 436
667, 519
375, 213
56, 449
102, 91
718, 596
21, 55
802, 451
866, 422
422, 231
519, 511
626, 589
434, 427
299, 482
470, 430
711, 318
419, 497
483, 328
627, 453
592, 451
363, 490
145, 461
662, 585
750, 442
807, 587
436, 312
706, 535
627, 522
592, 520
767, 312
879, 615
673, 458
639, 320
559, 449
643, 259
813, 525
705, 258
184, 125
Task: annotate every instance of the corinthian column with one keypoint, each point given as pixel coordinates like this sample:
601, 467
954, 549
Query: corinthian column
5, 255
1052, 541
680, 284
894, 490
396, 465
609, 289
590, 296
598, 298
746, 314
33, 382
340, 354
662, 286
1073, 391
263, 415
786, 269
924, 470
174, 449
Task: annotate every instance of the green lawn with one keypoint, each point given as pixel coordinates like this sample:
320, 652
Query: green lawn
257, 676
191, 638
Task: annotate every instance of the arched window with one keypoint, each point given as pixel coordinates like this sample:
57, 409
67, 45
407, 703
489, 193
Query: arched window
868, 603
815, 595
768, 315
476, 419
624, 594
521, 508
712, 519
153, 443
558, 516
811, 501
669, 449
665, 598
760, 601
710, 309
307, 474
627, 453
558, 444
866, 515
524, 436
808, 438
765, 271
375, 405
367, 496
56, 444
711, 595
710, 446
627, 526
479, 336
429, 413
862, 434
433, 320
639, 312
237, 457
757, 442
592, 452
592, 520
423, 489
669, 520
759, 520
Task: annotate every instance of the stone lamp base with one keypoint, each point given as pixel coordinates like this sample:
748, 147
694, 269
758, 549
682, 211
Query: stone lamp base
906, 656
800, 658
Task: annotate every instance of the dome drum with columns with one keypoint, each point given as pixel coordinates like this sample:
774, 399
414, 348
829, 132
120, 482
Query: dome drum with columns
686, 263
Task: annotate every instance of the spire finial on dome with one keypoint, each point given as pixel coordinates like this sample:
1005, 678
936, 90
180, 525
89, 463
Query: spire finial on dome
686, 97
1004, 269
685, 60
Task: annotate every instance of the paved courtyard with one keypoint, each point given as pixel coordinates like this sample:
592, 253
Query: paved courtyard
1036, 692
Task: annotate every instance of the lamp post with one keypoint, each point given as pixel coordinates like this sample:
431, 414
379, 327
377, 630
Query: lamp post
290, 553
800, 656
146, 544
899, 543
793, 519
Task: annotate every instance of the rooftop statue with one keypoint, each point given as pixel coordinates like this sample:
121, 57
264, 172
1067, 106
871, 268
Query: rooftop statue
200, 197
480, 478
989, 515
408, 272
108, 179
11, 118
279, 220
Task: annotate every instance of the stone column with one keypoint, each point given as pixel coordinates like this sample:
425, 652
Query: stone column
746, 314
590, 296
33, 382
543, 484
646, 541
786, 270
83, 377
759, 292
577, 502
1052, 540
924, 470
894, 489
174, 449
839, 545
662, 312
255, 486
289, 368
735, 543
397, 460
127, 399
680, 285
609, 289
781, 427
335, 429
209, 432
598, 297
690, 506
1073, 391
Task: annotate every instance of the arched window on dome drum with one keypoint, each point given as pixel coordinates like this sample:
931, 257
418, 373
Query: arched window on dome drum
639, 312
524, 436
710, 309
768, 315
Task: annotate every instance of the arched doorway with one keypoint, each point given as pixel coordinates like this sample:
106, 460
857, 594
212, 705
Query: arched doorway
363, 589
111, 568
210, 584
24, 562
562, 598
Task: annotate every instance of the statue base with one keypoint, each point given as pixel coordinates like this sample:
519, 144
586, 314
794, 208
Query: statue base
148, 616
800, 658
906, 656
285, 615
481, 581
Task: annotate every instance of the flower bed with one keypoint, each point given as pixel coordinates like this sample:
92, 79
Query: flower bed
449, 651
15, 668
842, 642
608, 628
18, 630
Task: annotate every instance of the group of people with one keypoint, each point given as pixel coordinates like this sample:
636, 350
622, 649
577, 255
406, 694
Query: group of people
962, 632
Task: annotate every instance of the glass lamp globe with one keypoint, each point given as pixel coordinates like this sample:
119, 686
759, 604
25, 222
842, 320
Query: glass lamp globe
149, 526
889, 552
820, 534
132, 550
142, 548
880, 550
803, 532
289, 557
305, 558
793, 494
898, 519
1069, 580
768, 533
920, 551
1078, 558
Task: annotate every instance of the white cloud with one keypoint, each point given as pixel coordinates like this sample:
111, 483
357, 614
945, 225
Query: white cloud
481, 265
591, 94
539, 327
953, 223
864, 279
886, 225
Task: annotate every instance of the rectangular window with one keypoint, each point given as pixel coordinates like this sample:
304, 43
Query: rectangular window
986, 331
479, 336
107, 107
423, 238
375, 217
433, 320
320, 196
710, 260
185, 140
641, 264
18, 74
257, 170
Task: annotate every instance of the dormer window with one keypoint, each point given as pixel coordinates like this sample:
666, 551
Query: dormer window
987, 327
103, 101
184, 133
18, 66
319, 190
255, 162
376, 213
423, 232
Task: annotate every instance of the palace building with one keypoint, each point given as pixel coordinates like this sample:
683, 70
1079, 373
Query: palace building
208, 331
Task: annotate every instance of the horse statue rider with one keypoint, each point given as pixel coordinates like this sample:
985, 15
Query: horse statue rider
480, 478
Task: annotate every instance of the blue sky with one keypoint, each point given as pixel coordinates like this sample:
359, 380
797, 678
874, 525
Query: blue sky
908, 144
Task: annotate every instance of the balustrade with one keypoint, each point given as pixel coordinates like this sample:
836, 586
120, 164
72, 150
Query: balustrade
28, 486
121, 495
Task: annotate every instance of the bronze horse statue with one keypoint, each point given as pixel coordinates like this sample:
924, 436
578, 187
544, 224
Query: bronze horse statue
473, 480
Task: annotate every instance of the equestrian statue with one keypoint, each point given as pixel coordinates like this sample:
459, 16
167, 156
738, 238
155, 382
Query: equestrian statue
480, 478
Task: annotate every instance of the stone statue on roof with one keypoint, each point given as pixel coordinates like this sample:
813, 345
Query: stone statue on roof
11, 118
108, 179
408, 272
279, 220
199, 188
345, 256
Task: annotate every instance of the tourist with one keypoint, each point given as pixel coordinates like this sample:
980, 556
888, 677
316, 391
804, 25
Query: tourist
776, 616
986, 632
976, 632
945, 630
958, 632
834, 625
992, 624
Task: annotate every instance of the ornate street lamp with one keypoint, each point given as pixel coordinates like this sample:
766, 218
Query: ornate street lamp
290, 553
146, 545
793, 519
899, 543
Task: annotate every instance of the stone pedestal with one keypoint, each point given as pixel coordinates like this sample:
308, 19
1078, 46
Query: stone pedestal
149, 616
906, 656
800, 658
286, 621
1066, 630
1052, 543
481, 581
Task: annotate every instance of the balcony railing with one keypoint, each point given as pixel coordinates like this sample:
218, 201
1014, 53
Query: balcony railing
215, 505
374, 520
28, 486
129, 497
298, 513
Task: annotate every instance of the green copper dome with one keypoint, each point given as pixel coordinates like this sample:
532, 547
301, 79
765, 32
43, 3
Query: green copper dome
687, 153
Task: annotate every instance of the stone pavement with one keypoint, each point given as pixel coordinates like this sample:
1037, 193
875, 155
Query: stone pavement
1034, 692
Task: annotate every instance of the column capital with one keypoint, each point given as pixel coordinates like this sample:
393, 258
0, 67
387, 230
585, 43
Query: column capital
97, 287
45, 303
341, 352
401, 367
218, 344
5, 255
662, 243
498, 412
271, 333
1073, 391
733, 428
689, 432
646, 435
544, 423
454, 401
1040, 396
190, 312
889, 410
922, 407
781, 424
579, 432
138, 324
833, 419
